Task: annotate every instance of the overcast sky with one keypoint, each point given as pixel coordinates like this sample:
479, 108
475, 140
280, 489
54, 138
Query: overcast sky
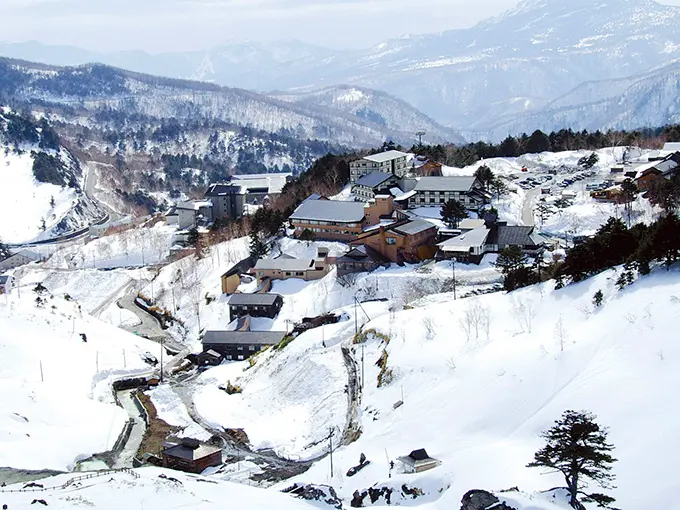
174, 25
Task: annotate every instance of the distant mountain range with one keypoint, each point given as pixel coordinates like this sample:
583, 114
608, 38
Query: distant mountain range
96, 86
530, 64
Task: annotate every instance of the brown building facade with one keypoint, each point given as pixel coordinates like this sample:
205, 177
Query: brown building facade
191, 456
407, 241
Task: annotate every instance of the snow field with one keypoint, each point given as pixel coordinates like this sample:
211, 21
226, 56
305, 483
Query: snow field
478, 405
57, 401
22, 209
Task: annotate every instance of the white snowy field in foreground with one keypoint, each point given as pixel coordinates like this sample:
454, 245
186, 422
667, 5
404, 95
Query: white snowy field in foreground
154, 489
26, 201
57, 403
478, 405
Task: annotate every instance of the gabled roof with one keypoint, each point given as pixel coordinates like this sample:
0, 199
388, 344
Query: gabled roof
187, 451
373, 179
413, 227
462, 243
456, 183
266, 299
284, 264
243, 337
330, 210
216, 190
420, 454
362, 252
385, 156
514, 235
240, 267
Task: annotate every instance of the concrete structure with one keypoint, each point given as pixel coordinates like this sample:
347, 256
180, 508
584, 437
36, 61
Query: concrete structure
360, 259
239, 345
339, 220
6, 283
232, 278
390, 162
259, 189
418, 461
403, 241
227, 201
255, 305
19, 259
435, 191
191, 456
285, 267
375, 183
187, 215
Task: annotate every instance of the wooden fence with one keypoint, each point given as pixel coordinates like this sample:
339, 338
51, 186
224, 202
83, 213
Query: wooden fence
68, 483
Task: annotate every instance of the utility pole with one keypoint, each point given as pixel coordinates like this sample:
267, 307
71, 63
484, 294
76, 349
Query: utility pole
453, 267
42, 376
162, 349
330, 445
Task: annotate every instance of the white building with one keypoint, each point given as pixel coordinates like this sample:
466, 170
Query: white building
389, 162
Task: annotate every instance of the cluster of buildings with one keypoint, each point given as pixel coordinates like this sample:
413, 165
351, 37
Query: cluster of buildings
645, 174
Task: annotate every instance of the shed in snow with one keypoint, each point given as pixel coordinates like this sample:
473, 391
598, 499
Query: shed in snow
418, 461
191, 456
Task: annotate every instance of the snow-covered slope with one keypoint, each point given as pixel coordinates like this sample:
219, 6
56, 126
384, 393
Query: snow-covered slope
154, 489
31, 209
477, 397
57, 403
375, 106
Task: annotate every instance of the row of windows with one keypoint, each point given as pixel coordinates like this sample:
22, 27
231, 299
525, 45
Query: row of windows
251, 348
329, 223
245, 308
327, 231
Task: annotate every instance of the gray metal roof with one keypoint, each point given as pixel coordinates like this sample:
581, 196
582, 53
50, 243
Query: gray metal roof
284, 264
456, 183
216, 190
266, 299
414, 227
386, 156
181, 451
514, 235
243, 337
330, 210
373, 179
3, 279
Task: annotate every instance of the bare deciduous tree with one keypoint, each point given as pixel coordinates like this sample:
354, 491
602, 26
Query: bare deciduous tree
560, 333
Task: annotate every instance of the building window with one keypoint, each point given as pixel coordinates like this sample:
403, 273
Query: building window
240, 357
229, 357
391, 240
251, 348
239, 348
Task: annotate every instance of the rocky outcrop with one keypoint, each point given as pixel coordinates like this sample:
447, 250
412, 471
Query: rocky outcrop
323, 493
482, 500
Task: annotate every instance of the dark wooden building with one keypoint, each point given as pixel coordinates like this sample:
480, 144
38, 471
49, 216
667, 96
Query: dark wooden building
255, 305
360, 259
239, 345
191, 456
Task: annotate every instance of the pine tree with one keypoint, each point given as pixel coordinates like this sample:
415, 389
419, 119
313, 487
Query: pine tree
538, 142
193, 236
577, 447
485, 176
258, 246
452, 212
598, 298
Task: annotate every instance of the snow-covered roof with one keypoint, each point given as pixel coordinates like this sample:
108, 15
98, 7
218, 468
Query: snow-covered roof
243, 337
461, 183
284, 264
386, 156
329, 210
470, 224
671, 146
398, 194
265, 299
414, 227
472, 239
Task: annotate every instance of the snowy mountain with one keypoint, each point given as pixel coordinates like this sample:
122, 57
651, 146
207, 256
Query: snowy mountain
101, 87
45, 183
372, 105
645, 100
514, 63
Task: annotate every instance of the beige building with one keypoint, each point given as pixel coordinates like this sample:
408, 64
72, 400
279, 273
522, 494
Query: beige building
285, 267
389, 162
